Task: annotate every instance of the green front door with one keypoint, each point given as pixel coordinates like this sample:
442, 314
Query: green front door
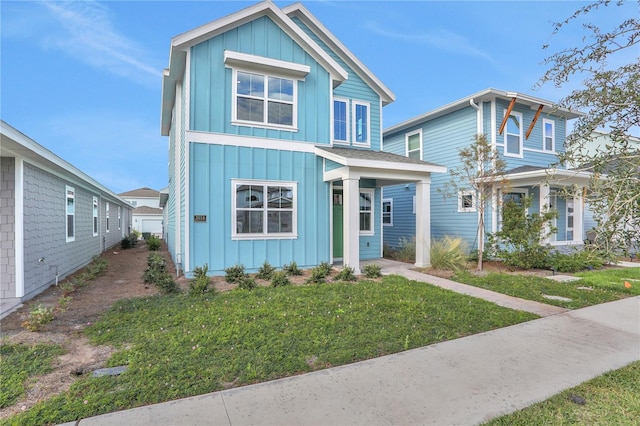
338, 227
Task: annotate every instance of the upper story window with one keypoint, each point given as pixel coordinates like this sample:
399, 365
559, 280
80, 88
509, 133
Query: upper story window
414, 144
513, 135
361, 123
340, 121
71, 213
366, 211
548, 135
265, 90
95, 216
264, 209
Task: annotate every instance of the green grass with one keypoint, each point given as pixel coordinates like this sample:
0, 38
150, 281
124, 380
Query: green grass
607, 285
18, 363
611, 399
178, 346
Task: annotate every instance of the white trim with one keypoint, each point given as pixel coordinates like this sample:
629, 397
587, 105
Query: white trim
414, 205
382, 212
520, 153
494, 124
265, 235
546, 121
347, 118
265, 65
354, 104
377, 164
69, 189
248, 141
540, 151
372, 194
106, 216
95, 216
406, 142
19, 225
473, 207
330, 220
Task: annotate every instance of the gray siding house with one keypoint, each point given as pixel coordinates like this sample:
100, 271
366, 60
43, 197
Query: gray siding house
53, 218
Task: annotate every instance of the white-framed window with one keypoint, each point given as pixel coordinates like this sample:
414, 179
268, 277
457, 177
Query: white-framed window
513, 139
413, 143
264, 209
548, 135
119, 217
95, 216
134, 203
106, 215
570, 219
340, 120
366, 211
466, 201
387, 211
70, 213
265, 100
360, 123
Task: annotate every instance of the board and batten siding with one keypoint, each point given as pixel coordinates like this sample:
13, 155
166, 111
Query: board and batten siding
211, 83
212, 169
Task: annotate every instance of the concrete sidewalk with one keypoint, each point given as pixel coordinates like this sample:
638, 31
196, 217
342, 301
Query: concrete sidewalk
459, 382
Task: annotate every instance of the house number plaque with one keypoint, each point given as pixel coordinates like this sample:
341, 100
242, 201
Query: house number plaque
199, 217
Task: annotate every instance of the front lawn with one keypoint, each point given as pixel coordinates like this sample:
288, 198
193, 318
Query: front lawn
611, 399
179, 346
594, 287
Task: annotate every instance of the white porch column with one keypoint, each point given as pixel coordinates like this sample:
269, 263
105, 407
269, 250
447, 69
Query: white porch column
544, 207
351, 225
578, 217
423, 224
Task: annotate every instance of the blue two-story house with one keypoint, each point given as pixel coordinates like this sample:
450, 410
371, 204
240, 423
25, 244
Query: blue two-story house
527, 132
275, 134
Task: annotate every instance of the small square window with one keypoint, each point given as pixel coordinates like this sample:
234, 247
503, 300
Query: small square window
466, 201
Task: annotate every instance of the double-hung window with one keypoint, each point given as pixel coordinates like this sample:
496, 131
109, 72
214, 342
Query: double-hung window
414, 144
340, 121
387, 211
71, 213
548, 135
366, 211
95, 216
513, 136
360, 123
264, 209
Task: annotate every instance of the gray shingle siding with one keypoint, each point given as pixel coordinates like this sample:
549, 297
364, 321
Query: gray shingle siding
7, 228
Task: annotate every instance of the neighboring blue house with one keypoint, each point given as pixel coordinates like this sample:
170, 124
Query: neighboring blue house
275, 132
527, 132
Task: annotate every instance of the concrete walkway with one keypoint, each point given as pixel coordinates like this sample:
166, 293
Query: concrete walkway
460, 382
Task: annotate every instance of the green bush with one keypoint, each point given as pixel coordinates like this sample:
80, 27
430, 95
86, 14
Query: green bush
154, 243
346, 274
266, 271
449, 253
156, 265
576, 261
125, 243
325, 267
318, 275
292, 269
279, 279
247, 282
372, 270
234, 273
39, 316
200, 282
166, 283
407, 250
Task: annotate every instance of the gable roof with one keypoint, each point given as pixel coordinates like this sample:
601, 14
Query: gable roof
299, 11
482, 96
141, 193
181, 44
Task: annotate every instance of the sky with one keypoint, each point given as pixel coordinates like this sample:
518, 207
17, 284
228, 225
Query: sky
84, 79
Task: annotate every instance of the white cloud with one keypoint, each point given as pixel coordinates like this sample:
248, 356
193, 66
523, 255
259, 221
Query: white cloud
84, 30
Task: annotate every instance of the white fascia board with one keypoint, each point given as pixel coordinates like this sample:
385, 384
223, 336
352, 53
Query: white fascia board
298, 10
261, 63
248, 141
557, 177
381, 165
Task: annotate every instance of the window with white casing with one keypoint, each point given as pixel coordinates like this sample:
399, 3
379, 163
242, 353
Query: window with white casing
70, 213
387, 212
340, 121
413, 142
548, 135
366, 211
95, 216
360, 123
513, 135
265, 100
466, 201
106, 215
264, 209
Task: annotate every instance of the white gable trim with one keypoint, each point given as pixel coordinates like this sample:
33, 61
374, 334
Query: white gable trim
266, 65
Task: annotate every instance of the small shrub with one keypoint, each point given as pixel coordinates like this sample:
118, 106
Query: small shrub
165, 282
247, 283
234, 273
279, 278
153, 243
200, 282
448, 254
576, 261
266, 271
346, 274
407, 250
292, 269
388, 252
125, 243
326, 267
372, 270
97, 267
63, 303
68, 287
318, 276
38, 316
156, 265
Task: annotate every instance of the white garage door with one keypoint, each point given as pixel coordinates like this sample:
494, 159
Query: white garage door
152, 226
